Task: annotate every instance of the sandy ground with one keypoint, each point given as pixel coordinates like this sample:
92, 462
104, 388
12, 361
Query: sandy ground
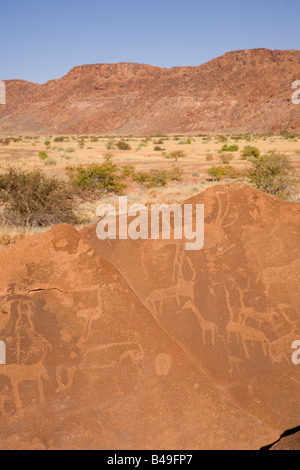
24, 154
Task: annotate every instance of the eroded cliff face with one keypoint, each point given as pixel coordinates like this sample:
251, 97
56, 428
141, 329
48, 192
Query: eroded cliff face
247, 90
143, 345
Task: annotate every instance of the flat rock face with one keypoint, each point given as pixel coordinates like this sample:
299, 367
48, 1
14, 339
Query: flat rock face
143, 345
233, 306
242, 90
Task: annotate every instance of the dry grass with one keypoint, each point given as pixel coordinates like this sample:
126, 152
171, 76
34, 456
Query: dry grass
24, 154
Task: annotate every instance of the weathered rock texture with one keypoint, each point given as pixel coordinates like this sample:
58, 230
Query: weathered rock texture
247, 90
143, 345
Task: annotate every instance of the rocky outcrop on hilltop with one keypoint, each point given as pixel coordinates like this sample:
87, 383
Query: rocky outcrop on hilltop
248, 90
142, 345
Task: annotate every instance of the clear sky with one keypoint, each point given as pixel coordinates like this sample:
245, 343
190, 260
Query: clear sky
44, 39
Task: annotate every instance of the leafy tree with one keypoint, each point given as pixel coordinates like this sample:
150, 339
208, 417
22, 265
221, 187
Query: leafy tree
176, 154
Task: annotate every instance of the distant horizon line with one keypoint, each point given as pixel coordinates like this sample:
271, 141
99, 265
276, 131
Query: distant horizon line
150, 65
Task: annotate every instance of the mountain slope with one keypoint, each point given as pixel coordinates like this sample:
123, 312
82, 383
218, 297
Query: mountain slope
247, 90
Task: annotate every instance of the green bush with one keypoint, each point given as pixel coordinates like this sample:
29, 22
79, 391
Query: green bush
69, 150
217, 172
250, 151
34, 199
230, 148
274, 174
43, 155
104, 178
59, 139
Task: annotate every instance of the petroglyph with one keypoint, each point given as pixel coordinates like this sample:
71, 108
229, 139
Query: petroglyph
183, 288
247, 334
109, 355
206, 326
18, 373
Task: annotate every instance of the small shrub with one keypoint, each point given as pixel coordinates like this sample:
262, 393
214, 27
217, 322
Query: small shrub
102, 178
175, 174
50, 161
128, 171
157, 178
122, 145
110, 145
217, 172
43, 155
274, 174
34, 199
69, 150
222, 138
226, 158
250, 151
230, 148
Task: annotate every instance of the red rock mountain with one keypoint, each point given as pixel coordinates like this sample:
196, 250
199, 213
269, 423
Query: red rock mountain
247, 90
143, 345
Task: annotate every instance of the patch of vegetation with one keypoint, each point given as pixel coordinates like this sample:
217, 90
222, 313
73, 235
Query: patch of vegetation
274, 174
217, 172
226, 158
176, 154
43, 155
175, 174
50, 161
122, 145
250, 151
103, 178
229, 148
34, 199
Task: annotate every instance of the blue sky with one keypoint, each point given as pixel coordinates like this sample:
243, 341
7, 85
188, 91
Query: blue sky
44, 39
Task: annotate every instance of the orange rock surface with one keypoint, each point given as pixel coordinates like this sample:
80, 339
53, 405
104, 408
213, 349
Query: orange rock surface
143, 345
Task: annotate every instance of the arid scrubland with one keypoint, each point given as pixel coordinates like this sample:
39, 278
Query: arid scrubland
150, 169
